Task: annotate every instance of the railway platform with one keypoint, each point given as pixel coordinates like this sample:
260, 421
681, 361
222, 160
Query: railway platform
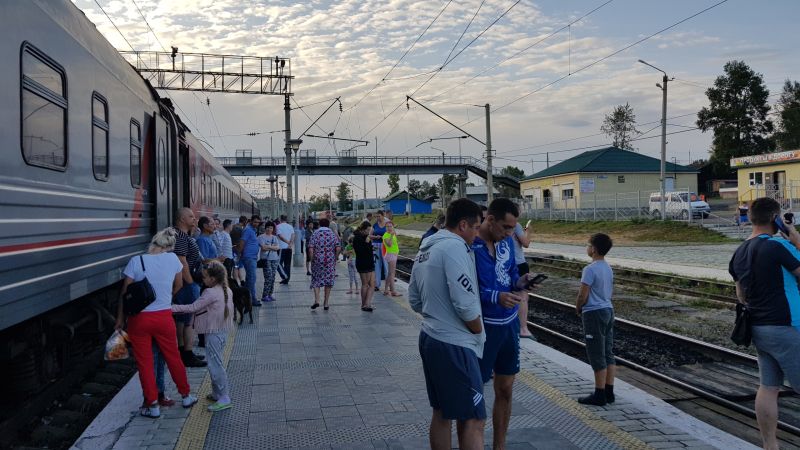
347, 379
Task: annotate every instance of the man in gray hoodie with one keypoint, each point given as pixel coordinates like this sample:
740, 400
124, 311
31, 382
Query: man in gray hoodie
444, 289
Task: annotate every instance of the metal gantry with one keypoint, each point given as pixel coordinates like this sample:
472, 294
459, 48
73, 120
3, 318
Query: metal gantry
213, 73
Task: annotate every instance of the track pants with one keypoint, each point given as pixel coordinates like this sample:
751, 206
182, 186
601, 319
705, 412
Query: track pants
286, 263
158, 326
215, 346
250, 278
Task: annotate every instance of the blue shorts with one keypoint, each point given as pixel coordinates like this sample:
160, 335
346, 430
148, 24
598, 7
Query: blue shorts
186, 296
453, 379
778, 347
501, 350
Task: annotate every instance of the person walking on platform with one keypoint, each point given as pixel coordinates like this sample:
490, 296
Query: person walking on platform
154, 323
236, 236
249, 250
501, 291
443, 289
365, 263
324, 249
226, 246
286, 236
350, 257
392, 252
189, 255
378, 230
307, 233
765, 269
205, 241
521, 242
213, 318
270, 260
594, 308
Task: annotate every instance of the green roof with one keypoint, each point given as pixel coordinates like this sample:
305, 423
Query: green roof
609, 159
401, 195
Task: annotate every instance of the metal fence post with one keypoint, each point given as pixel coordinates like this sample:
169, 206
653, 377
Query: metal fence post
576, 208
594, 205
639, 203
615, 206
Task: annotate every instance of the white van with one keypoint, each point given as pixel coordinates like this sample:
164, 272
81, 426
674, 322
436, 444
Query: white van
677, 205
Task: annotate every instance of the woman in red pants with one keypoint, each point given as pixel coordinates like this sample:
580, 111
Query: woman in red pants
154, 324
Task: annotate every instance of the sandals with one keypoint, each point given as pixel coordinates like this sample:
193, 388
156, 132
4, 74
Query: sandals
366, 309
315, 306
325, 308
216, 407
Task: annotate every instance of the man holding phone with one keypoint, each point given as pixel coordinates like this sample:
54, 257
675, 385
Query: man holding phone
501, 290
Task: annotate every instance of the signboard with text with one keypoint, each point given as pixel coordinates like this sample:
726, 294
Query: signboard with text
587, 185
766, 158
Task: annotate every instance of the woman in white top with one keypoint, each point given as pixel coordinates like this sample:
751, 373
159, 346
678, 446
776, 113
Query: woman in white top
163, 271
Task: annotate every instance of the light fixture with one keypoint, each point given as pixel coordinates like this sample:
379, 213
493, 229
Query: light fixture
294, 144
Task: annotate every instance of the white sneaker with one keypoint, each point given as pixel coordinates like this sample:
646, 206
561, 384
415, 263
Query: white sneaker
188, 401
152, 411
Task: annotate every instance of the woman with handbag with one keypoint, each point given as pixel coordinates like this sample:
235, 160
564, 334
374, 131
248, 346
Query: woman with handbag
270, 260
161, 271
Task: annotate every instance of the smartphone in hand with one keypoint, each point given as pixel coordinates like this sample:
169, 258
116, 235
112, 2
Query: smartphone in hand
538, 279
781, 225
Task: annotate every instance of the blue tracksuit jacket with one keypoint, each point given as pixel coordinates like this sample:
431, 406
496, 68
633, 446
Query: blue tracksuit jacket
495, 275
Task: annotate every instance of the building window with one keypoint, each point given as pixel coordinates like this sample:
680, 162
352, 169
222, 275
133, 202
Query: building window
136, 154
43, 110
568, 194
756, 178
620, 178
99, 137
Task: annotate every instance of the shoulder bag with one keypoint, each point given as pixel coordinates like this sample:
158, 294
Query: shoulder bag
742, 332
139, 295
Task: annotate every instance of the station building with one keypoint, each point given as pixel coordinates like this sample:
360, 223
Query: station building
603, 176
397, 203
775, 175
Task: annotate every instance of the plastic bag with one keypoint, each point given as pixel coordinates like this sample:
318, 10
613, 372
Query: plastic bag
117, 346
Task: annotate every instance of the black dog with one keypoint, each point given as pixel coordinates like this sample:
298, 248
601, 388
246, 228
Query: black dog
241, 301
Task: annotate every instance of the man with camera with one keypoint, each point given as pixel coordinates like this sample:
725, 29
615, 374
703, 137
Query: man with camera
501, 291
765, 268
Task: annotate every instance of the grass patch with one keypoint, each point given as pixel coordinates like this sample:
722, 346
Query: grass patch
624, 232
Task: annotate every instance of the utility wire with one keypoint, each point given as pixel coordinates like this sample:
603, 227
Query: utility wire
524, 49
403, 56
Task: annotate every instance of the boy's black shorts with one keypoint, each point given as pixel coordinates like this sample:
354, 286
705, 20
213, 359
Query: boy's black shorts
598, 330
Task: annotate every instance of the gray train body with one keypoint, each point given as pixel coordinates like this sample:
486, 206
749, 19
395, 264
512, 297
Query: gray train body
93, 162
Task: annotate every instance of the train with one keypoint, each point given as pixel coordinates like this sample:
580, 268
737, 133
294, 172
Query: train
94, 161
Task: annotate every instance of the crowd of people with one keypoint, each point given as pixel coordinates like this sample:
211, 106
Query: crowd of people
470, 283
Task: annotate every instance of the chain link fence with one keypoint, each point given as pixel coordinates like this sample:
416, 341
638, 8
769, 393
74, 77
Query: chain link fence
680, 205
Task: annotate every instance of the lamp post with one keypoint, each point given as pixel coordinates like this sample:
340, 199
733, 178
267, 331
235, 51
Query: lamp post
665, 80
294, 219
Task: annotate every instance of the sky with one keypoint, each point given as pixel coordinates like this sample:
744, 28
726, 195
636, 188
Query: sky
551, 70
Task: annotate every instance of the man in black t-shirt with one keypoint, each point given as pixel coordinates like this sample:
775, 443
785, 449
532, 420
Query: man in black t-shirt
765, 270
189, 255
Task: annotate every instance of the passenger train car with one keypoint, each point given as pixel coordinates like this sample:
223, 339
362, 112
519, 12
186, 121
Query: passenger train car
94, 161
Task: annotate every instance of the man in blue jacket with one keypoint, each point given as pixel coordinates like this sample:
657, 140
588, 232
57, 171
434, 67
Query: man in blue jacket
501, 291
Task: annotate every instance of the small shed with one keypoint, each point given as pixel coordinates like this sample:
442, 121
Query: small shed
397, 203
478, 194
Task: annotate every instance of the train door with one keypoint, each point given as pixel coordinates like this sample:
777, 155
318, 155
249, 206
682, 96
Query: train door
161, 185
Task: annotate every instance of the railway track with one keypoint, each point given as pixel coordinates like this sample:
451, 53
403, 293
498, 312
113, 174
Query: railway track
693, 287
712, 383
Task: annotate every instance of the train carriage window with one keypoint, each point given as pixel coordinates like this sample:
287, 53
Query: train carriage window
43, 109
162, 165
99, 137
136, 154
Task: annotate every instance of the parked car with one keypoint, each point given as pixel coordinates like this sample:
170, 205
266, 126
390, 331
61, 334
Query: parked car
678, 204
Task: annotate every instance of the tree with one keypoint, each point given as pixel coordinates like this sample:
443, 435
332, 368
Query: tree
620, 126
737, 113
414, 187
516, 172
394, 183
427, 190
343, 197
319, 203
788, 106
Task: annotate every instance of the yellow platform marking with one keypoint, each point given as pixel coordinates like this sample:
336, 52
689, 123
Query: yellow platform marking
195, 429
602, 426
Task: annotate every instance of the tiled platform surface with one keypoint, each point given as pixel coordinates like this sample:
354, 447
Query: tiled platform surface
346, 379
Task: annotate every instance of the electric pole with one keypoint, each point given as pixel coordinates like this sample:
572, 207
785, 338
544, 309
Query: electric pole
489, 184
